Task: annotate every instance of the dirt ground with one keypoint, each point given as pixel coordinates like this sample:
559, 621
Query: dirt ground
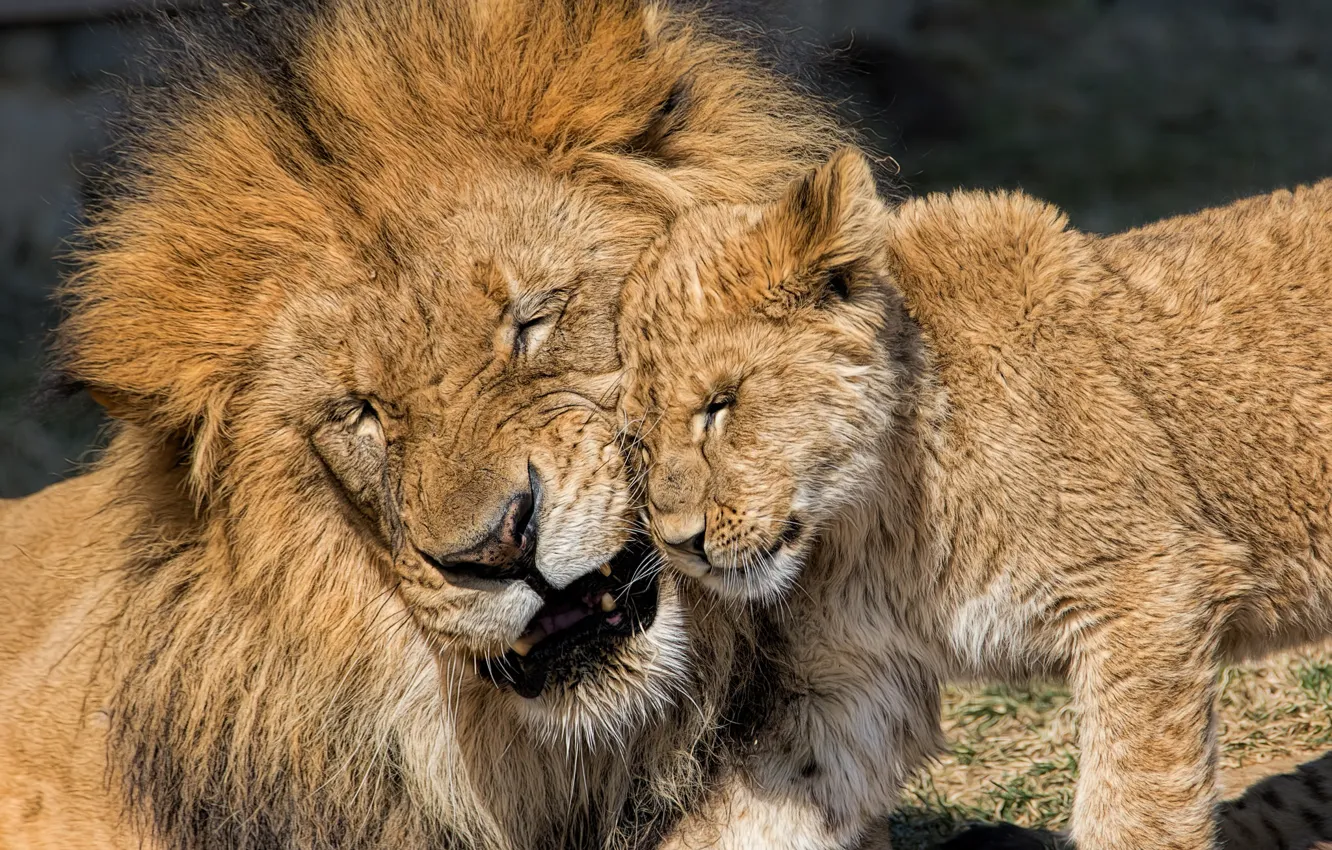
1012, 753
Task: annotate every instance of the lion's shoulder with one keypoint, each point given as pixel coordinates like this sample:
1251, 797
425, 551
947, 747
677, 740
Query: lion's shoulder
53, 544
60, 550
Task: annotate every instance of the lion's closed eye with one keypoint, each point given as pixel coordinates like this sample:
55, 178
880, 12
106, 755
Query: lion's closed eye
353, 447
530, 333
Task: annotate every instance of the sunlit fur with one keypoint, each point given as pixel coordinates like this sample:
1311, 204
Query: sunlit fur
303, 305
731, 303
1104, 458
745, 300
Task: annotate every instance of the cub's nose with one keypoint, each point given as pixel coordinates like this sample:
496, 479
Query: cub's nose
686, 535
505, 553
694, 545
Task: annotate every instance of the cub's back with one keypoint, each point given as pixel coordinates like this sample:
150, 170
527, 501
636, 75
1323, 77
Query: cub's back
1255, 276
1180, 375
1223, 328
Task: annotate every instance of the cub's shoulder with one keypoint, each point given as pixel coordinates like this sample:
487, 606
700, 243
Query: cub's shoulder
987, 263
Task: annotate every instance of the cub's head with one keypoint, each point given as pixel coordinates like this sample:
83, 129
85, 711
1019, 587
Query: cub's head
760, 347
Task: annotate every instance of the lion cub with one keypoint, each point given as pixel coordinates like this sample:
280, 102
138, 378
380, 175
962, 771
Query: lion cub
980, 443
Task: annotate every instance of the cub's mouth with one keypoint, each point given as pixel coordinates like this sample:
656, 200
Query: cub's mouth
580, 628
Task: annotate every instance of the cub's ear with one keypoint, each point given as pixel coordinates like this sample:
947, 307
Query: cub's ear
821, 232
823, 206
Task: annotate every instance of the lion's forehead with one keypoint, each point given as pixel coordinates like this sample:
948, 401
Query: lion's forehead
432, 344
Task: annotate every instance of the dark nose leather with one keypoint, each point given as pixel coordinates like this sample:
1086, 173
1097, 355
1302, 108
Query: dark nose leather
694, 546
506, 552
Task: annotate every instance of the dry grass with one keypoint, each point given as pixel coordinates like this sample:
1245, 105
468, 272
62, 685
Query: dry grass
1013, 756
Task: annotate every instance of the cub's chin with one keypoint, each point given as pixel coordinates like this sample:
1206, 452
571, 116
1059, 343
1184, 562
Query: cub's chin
602, 656
759, 577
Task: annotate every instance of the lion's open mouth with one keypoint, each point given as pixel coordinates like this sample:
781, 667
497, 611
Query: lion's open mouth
578, 628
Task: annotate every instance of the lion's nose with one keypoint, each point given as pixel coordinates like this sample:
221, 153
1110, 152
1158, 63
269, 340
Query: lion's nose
506, 551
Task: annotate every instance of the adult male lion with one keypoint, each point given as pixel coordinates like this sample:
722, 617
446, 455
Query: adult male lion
353, 305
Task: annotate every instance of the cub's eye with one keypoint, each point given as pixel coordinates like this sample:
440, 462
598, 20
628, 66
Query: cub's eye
644, 453
712, 416
717, 409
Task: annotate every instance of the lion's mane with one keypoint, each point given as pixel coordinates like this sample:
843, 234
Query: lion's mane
260, 696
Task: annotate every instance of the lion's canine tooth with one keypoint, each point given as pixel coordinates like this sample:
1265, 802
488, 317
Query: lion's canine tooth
605, 570
607, 603
524, 644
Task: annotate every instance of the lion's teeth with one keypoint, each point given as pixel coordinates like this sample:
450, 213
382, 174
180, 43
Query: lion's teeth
605, 570
524, 644
607, 603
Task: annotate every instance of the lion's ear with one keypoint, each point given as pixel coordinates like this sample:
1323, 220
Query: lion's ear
202, 437
669, 115
118, 405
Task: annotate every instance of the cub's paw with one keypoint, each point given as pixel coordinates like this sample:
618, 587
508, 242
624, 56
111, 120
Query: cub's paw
1005, 836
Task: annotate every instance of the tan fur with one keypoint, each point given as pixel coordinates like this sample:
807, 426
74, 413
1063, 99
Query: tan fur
1000, 447
306, 305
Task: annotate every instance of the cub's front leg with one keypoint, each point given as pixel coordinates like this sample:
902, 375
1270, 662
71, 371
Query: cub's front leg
1146, 688
840, 734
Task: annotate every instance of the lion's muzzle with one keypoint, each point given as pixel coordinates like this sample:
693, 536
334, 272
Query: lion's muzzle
506, 552
580, 626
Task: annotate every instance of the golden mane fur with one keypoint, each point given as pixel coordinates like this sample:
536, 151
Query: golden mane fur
212, 639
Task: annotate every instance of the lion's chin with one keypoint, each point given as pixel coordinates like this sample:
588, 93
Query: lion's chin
623, 693
598, 668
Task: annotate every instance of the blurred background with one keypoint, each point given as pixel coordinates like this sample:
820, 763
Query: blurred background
1121, 111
